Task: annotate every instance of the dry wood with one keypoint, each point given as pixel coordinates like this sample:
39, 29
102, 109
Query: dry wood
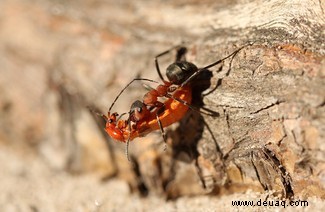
270, 97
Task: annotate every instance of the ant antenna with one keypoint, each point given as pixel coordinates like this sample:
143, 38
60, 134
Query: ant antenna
215, 63
120, 116
109, 110
98, 113
127, 150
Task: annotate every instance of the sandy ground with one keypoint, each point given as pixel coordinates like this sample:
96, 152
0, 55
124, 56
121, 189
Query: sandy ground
28, 184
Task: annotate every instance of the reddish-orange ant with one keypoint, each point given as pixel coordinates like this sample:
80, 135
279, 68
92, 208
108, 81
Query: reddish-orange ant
151, 114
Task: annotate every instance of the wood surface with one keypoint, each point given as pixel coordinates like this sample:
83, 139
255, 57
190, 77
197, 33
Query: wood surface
59, 57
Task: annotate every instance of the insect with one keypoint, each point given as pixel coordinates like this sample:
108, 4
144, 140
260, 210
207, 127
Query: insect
150, 114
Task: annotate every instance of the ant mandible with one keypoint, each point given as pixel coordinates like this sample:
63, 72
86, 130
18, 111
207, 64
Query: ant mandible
151, 114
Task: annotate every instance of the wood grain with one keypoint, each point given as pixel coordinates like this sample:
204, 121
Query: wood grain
270, 97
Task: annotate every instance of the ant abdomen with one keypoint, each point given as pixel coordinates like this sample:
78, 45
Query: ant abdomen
178, 72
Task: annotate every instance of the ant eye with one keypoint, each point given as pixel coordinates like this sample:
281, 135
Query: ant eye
182, 67
110, 121
139, 109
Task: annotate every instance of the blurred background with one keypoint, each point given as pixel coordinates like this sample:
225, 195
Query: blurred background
57, 58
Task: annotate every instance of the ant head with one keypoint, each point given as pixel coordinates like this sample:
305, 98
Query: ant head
178, 72
114, 130
138, 111
111, 118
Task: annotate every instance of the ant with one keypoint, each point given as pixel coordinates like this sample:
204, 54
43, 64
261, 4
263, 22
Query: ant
151, 114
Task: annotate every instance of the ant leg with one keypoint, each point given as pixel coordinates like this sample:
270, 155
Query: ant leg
120, 116
128, 141
162, 54
211, 113
180, 55
213, 64
199, 173
218, 148
136, 79
127, 150
159, 111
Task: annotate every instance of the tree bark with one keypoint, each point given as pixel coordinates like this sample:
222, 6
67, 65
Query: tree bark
269, 134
